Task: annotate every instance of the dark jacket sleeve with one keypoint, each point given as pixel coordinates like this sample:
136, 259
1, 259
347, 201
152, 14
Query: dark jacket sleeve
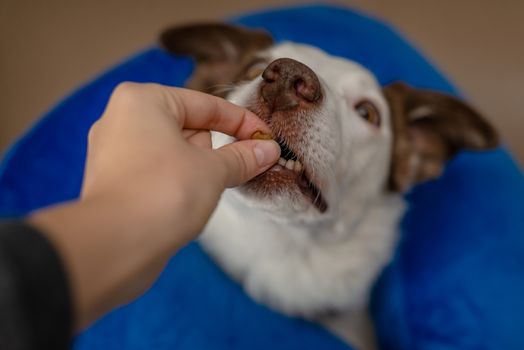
35, 303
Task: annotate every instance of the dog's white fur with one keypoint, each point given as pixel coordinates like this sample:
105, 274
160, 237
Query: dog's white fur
285, 252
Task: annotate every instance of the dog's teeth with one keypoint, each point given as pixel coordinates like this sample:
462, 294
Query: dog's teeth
290, 164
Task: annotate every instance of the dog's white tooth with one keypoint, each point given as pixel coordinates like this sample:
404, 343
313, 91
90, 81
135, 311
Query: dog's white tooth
298, 165
290, 164
282, 162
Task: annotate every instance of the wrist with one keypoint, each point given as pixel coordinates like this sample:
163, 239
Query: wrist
112, 246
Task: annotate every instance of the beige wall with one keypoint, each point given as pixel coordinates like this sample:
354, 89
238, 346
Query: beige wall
50, 47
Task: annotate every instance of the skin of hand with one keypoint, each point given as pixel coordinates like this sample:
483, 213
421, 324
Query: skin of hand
151, 183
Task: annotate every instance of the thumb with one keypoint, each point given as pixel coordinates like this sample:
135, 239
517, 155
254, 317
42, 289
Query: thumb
246, 159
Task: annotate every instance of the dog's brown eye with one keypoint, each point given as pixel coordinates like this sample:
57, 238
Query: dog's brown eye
368, 111
255, 70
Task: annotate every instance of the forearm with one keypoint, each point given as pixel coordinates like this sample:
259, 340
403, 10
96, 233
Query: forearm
111, 248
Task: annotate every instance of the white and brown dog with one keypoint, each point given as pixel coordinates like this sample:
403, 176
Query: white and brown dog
309, 236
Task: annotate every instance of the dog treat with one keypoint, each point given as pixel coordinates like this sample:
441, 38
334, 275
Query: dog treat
259, 135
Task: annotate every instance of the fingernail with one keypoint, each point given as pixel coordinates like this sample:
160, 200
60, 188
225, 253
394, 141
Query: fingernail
266, 152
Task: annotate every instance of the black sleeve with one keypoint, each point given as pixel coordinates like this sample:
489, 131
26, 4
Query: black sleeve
35, 304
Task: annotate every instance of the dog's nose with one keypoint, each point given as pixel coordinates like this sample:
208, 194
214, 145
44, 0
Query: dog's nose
287, 83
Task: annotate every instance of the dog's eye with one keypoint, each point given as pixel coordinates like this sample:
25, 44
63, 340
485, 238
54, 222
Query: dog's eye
255, 69
368, 111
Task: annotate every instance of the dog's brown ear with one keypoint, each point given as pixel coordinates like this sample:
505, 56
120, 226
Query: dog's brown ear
220, 51
429, 128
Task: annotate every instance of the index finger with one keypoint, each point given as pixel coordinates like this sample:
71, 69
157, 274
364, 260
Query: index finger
197, 110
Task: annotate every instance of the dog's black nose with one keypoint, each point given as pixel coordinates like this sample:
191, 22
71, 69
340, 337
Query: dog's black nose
287, 83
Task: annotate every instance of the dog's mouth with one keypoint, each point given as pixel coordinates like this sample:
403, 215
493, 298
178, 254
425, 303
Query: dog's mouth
293, 163
289, 174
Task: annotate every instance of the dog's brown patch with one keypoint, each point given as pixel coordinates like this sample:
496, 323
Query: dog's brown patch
221, 51
429, 128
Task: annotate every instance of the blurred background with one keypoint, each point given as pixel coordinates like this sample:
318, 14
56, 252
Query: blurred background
48, 48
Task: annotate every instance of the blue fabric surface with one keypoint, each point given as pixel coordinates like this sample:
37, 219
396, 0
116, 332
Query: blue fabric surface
456, 282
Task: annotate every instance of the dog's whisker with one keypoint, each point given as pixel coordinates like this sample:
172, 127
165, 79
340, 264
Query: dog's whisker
317, 197
225, 85
222, 88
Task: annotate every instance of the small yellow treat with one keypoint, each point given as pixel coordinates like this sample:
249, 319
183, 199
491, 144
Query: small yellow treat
259, 135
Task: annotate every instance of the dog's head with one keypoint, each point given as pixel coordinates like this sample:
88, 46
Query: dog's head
344, 138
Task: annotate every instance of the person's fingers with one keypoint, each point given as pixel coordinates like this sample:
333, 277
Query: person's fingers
187, 133
246, 159
201, 138
191, 109
197, 110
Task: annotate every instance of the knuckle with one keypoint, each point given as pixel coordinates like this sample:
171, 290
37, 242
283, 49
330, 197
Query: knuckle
91, 135
125, 95
242, 163
130, 94
93, 131
126, 88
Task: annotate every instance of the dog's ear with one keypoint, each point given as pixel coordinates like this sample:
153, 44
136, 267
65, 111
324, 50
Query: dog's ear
429, 128
220, 51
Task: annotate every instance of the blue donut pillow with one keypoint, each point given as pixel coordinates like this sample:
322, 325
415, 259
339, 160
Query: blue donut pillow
457, 279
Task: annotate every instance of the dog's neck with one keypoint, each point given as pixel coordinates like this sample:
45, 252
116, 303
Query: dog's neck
260, 232
343, 253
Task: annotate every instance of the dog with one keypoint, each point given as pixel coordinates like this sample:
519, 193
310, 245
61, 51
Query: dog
309, 237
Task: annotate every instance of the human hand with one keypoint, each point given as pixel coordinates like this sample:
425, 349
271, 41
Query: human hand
151, 182
153, 144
